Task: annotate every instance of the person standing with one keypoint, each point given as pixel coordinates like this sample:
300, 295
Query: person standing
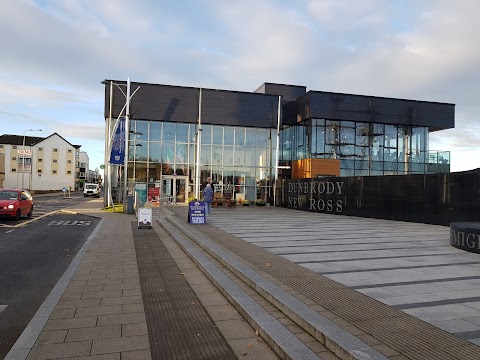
204, 184
207, 198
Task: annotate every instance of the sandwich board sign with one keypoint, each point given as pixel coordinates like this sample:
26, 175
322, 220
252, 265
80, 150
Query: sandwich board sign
196, 212
144, 218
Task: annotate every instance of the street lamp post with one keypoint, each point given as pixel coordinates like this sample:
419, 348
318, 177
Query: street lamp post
23, 157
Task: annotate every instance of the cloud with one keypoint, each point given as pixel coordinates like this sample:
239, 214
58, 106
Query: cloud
57, 53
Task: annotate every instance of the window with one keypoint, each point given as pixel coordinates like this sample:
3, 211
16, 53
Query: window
1, 146
14, 170
69, 172
39, 171
14, 146
14, 158
55, 160
69, 150
55, 150
69, 161
40, 160
54, 171
40, 149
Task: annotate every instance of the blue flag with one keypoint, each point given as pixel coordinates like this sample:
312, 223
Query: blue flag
117, 156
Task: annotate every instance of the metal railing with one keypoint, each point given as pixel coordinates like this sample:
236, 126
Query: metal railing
168, 202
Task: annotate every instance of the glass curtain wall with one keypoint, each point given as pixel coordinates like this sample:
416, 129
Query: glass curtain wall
363, 148
239, 160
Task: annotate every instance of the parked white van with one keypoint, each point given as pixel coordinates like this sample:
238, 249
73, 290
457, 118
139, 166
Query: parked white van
91, 190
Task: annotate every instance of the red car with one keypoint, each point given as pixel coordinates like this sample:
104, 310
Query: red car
15, 203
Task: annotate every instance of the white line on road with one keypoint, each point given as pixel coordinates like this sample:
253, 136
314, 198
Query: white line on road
3, 307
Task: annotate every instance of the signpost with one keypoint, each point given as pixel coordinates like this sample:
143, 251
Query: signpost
65, 189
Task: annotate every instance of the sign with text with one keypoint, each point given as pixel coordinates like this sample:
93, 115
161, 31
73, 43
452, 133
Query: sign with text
316, 195
144, 217
196, 212
25, 161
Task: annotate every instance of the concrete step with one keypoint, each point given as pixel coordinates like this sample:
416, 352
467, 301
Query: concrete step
327, 334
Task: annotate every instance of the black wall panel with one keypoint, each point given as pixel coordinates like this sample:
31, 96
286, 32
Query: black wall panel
333, 106
180, 104
432, 198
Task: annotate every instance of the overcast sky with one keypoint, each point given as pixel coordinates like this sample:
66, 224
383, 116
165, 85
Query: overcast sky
56, 53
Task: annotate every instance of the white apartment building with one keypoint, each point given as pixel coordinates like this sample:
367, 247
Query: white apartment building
38, 163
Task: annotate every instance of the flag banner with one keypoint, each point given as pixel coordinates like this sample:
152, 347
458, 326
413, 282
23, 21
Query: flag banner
117, 156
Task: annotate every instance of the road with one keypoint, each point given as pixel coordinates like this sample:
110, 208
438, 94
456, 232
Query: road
34, 254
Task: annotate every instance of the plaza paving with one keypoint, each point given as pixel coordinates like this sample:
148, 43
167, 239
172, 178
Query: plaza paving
408, 266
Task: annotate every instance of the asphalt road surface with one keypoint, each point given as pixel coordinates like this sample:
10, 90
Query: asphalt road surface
33, 257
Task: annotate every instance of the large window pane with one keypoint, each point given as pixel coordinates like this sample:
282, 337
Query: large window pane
228, 138
217, 155
155, 152
239, 156
262, 138
141, 152
140, 172
168, 152
218, 135
263, 156
155, 131
206, 155
168, 132
182, 133
228, 156
240, 136
318, 141
139, 130
206, 134
390, 136
250, 159
191, 154
250, 137
419, 147
181, 154
192, 133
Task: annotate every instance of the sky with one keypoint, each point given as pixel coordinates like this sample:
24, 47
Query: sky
55, 54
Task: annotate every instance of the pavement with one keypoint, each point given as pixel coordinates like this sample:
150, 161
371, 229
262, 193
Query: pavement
259, 283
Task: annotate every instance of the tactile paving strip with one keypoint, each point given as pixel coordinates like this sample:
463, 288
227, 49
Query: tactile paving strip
179, 327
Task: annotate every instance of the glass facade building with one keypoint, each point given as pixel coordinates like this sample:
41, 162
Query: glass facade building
320, 133
364, 149
237, 159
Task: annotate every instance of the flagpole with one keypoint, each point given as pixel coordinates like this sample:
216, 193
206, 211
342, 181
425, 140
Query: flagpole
199, 141
277, 150
109, 146
125, 161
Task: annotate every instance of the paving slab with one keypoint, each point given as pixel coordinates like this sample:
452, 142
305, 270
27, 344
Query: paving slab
231, 225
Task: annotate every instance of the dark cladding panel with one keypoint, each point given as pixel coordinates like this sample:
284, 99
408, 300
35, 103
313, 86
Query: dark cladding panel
231, 108
347, 107
155, 102
430, 198
180, 104
288, 92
